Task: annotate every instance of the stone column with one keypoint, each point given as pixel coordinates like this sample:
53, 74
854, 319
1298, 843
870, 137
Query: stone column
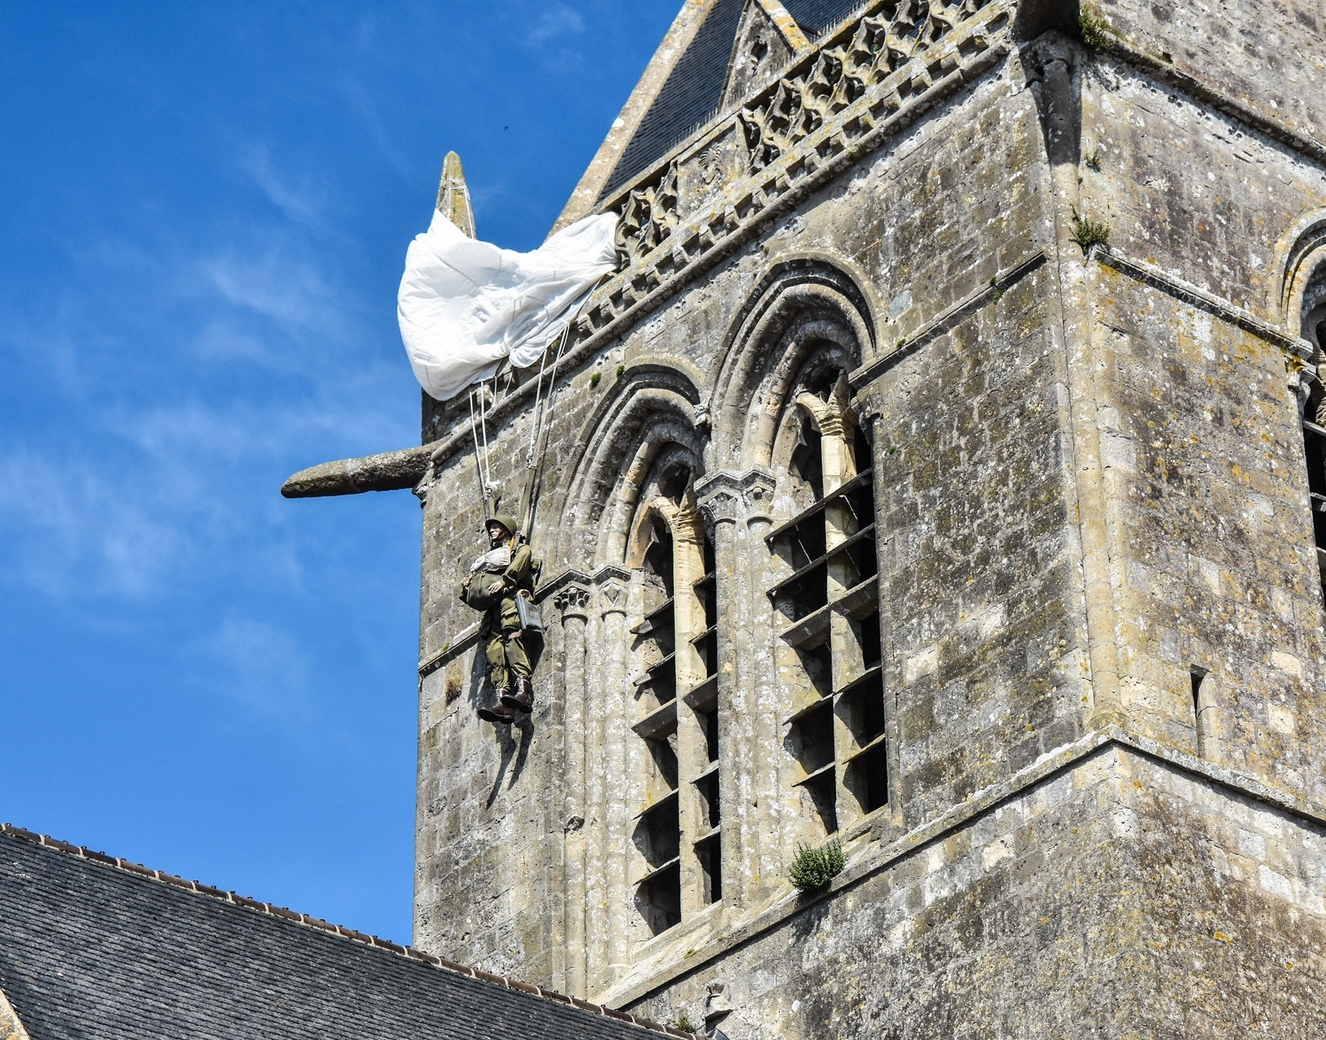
572, 602
749, 737
608, 763
595, 830
687, 527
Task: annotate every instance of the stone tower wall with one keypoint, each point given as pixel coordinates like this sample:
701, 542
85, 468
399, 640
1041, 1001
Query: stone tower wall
980, 639
1206, 492
1098, 609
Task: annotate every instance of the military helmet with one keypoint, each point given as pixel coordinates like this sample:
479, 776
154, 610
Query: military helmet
506, 521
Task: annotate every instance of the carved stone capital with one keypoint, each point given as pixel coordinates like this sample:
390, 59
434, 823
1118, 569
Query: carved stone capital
576, 594
731, 497
573, 601
613, 587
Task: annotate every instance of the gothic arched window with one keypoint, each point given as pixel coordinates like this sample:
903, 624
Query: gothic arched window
678, 829
828, 596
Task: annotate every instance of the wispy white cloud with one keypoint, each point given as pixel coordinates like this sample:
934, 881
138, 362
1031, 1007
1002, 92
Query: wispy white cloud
288, 291
553, 21
68, 531
260, 666
363, 102
300, 198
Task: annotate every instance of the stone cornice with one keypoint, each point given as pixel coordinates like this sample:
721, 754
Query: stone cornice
453, 648
948, 320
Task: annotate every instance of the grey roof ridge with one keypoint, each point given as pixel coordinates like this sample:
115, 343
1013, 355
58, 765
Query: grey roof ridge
282, 913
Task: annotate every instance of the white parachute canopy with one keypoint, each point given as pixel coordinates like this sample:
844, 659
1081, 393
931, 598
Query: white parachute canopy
465, 305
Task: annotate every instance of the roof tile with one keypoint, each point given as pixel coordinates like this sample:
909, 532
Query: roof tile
78, 930
691, 94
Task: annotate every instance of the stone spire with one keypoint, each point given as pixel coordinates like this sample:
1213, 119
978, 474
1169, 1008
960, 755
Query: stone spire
453, 195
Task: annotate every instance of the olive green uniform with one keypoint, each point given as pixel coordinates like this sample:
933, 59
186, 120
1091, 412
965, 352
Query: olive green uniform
501, 623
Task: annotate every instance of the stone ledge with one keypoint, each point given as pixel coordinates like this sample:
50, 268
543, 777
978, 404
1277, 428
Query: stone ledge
948, 320
872, 861
1194, 295
469, 636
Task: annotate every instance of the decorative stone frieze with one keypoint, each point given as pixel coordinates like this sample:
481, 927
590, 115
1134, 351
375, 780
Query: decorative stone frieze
575, 594
845, 90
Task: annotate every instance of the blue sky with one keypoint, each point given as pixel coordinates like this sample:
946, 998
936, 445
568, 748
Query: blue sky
204, 210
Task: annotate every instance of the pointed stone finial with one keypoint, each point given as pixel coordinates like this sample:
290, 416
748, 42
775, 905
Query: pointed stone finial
453, 196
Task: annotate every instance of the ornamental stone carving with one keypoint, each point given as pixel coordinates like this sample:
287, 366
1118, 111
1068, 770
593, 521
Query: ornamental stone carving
817, 91
573, 601
731, 497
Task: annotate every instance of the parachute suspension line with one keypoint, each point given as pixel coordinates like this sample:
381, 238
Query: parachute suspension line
481, 456
538, 444
489, 489
538, 403
537, 440
474, 433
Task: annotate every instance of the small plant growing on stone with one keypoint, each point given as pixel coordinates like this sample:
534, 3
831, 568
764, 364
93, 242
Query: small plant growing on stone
620, 370
1088, 233
1093, 160
1094, 31
813, 868
683, 1023
594, 379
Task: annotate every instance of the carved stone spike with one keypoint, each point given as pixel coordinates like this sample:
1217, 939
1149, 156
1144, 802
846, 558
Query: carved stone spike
389, 471
868, 45
785, 108
943, 17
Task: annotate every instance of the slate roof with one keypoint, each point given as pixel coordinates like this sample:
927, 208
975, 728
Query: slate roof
94, 947
691, 93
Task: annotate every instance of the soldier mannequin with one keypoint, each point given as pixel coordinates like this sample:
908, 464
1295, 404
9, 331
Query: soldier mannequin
495, 593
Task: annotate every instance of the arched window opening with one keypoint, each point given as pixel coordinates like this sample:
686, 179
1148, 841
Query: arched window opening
1313, 404
678, 831
829, 598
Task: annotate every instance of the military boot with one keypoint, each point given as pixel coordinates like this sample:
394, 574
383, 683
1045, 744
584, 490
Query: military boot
498, 711
522, 697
